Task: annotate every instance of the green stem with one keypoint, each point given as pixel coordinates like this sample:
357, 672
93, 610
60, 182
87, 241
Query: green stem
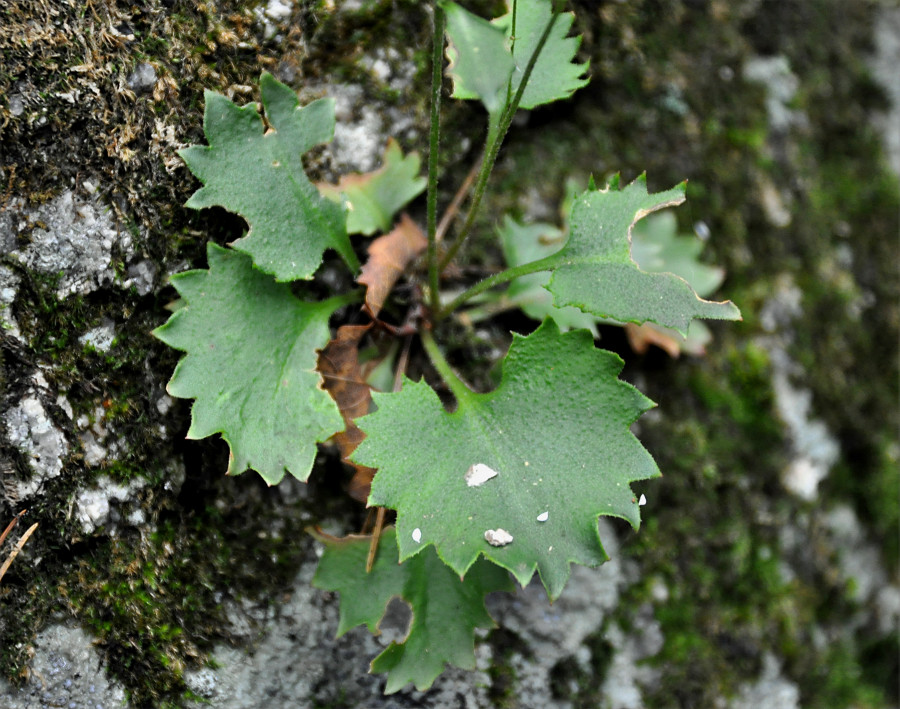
437, 55
336, 301
457, 385
492, 147
509, 274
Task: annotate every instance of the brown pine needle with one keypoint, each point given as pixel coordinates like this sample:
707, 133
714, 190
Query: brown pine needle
457, 201
376, 535
15, 552
10, 527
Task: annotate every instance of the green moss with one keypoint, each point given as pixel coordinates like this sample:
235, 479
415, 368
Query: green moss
157, 604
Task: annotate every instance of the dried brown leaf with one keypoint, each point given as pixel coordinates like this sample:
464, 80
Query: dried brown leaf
389, 255
640, 337
344, 380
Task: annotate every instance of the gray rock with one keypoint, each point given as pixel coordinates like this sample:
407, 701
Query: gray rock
781, 84
65, 672
142, 78
771, 690
884, 67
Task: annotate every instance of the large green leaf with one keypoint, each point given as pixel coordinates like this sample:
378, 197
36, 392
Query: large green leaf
595, 271
374, 198
556, 430
486, 64
259, 175
250, 365
445, 609
480, 62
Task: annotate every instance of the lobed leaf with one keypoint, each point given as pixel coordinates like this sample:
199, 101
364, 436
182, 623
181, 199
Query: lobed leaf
480, 62
375, 197
595, 271
250, 365
446, 609
555, 76
259, 175
556, 431
486, 64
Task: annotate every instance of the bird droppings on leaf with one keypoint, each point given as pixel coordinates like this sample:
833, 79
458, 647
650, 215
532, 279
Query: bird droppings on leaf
478, 474
417, 535
498, 537
543, 517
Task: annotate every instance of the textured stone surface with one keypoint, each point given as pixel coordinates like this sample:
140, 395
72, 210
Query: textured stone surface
94, 446
70, 237
64, 673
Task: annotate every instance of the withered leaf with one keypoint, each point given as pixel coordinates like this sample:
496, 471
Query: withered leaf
344, 379
389, 255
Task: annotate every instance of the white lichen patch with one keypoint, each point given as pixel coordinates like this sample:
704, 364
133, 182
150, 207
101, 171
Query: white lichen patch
70, 237
9, 282
543, 517
93, 508
30, 429
93, 438
101, 337
498, 537
479, 473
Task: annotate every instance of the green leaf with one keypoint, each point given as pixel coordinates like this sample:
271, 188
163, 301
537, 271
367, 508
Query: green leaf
260, 177
445, 609
595, 271
556, 430
374, 198
524, 244
480, 62
476, 45
555, 76
250, 365
657, 247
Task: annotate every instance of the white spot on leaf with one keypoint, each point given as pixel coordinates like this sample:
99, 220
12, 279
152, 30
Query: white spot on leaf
417, 535
643, 500
498, 537
543, 517
479, 474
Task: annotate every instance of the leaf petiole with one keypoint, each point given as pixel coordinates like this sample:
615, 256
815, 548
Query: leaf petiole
497, 279
433, 151
459, 388
496, 134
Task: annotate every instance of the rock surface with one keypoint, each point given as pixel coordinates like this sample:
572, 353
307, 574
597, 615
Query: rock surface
766, 572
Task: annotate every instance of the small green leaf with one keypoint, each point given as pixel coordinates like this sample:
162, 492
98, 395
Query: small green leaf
250, 365
556, 431
555, 76
595, 271
480, 62
486, 64
374, 198
657, 247
524, 244
445, 609
260, 177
